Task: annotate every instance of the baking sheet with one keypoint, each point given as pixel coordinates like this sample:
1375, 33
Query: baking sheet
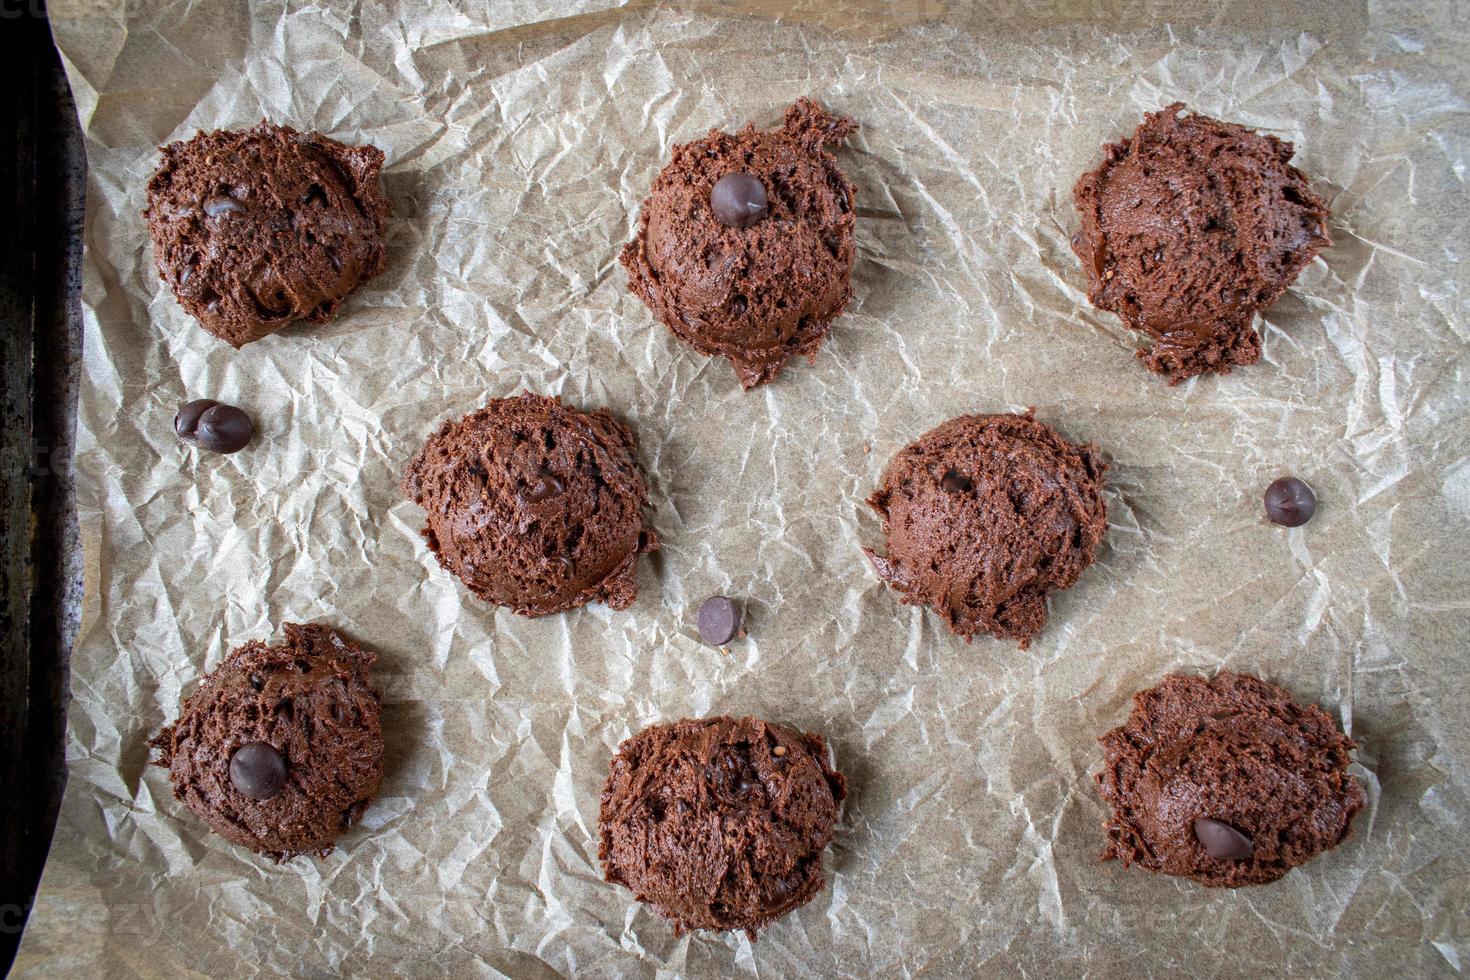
520, 140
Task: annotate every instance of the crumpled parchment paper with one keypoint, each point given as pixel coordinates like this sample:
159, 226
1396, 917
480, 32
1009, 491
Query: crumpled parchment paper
520, 139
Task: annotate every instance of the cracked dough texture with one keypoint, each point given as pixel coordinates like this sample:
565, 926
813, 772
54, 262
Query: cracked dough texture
984, 516
1189, 229
719, 823
761, 295
475, 477
255, 229
312, 700
1235, 749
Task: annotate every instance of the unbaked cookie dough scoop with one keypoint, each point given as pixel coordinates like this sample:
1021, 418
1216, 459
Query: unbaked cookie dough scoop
719, 823
535, 506
256, 229
1189, 229
281, 748
745, 247
985, 516
1226, 780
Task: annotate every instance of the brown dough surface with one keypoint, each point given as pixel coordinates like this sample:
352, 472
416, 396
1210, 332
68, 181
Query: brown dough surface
1189, 229
254, 229
477, 477
719, 823
310, 698
1233, 749
984, 516
761, 295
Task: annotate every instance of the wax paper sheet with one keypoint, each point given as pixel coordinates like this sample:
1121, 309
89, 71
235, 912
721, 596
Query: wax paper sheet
520, 139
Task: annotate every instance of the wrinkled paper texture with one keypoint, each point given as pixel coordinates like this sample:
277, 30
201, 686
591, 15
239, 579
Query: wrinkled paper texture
520, 141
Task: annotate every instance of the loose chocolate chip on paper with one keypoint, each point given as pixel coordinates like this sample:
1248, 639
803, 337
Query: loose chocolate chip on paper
718, 620
186, 422
224, 429
1290, 502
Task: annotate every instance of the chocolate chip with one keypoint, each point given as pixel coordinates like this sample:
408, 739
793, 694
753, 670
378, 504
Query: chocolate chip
738, 200
1220, 840
954, 483
186, 422
739, 304
223, 428
221, 204
1290, 502
258, 771
718, 620
545, 487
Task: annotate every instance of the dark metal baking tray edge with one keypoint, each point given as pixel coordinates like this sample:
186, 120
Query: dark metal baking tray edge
43, 167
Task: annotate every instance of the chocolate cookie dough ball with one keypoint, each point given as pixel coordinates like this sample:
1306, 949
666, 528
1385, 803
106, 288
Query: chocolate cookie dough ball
257, 228
719, 823
1188, 230
535, 506
1228, 781
984, 516
281, 748
745, 247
